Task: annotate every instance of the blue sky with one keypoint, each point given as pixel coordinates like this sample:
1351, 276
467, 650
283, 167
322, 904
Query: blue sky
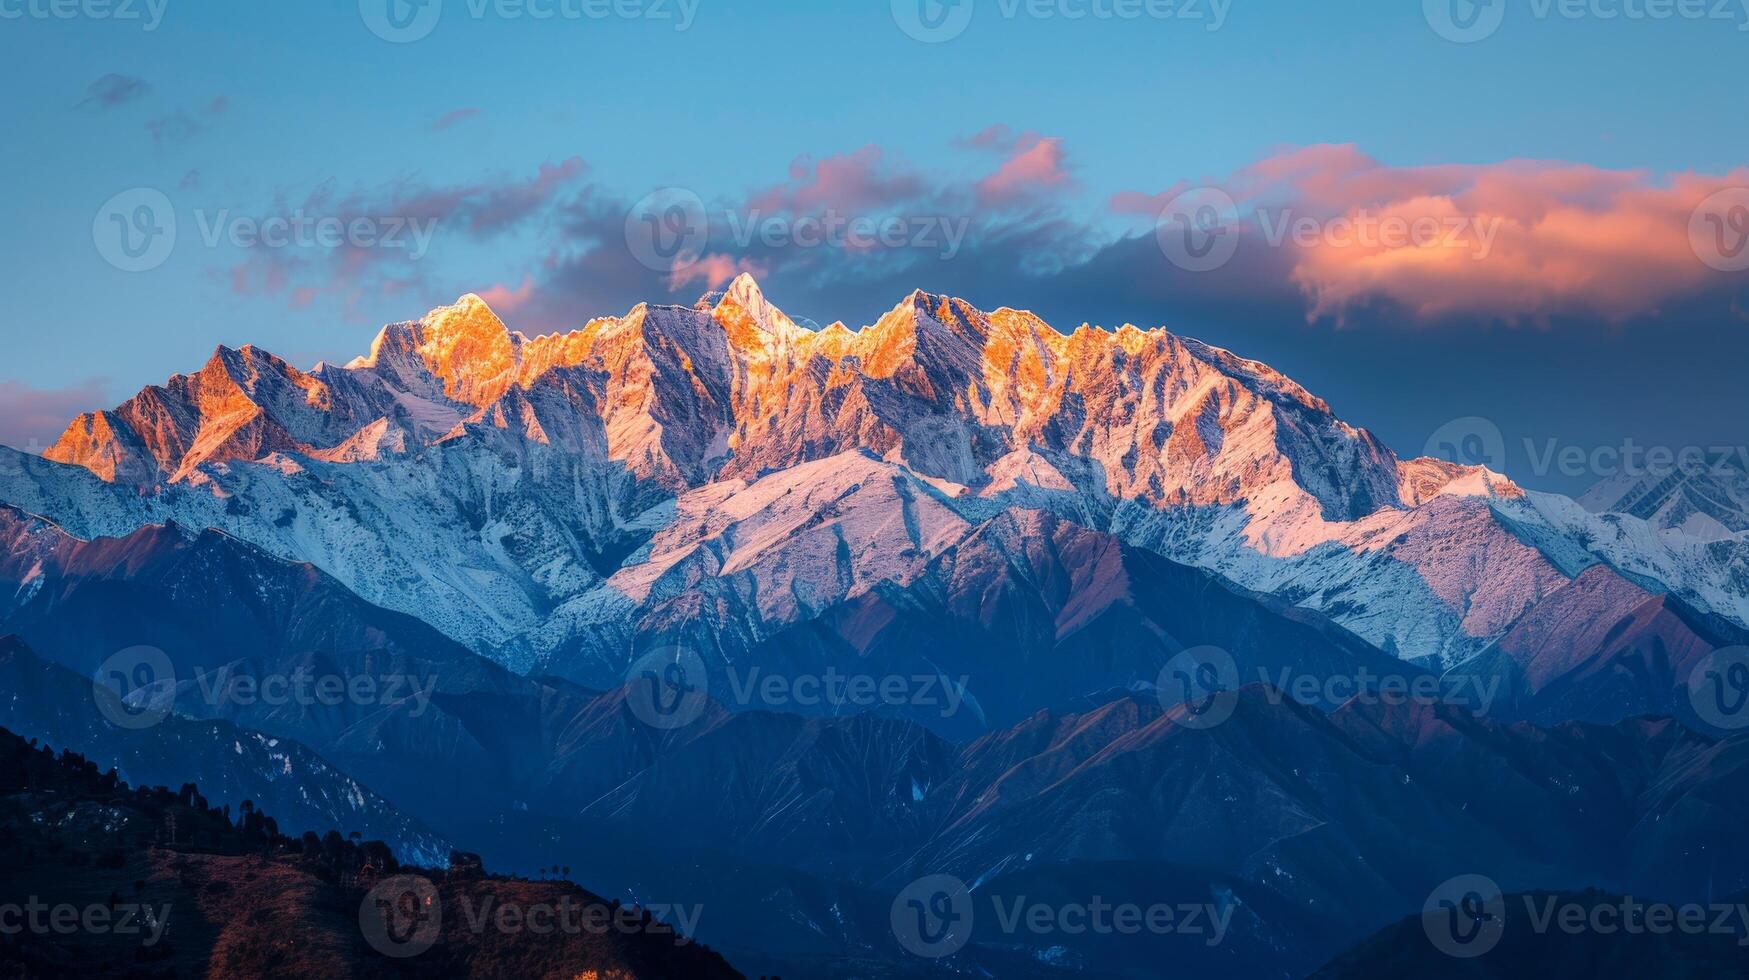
248, 110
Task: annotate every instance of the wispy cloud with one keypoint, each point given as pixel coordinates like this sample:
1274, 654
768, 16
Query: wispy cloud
858, 181
853, 222
453, 117
505, 300
1565, 240
712, 270
1035, 165
113, 90
405, 216
181, 126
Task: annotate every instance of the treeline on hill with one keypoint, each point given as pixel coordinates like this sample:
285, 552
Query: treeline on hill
98, 878
180, 820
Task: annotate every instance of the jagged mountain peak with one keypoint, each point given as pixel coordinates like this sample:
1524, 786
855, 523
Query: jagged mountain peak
537, 457
1425, 478
470, 349
464, 345
1705, 497
744, 289
751, 319
469, 314
684, 395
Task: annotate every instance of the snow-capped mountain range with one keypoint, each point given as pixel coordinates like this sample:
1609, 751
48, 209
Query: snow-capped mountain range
1708, 497
548, 500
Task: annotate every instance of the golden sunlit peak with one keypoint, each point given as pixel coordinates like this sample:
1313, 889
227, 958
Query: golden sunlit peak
469, 307
747, 314
744, 288
469, 348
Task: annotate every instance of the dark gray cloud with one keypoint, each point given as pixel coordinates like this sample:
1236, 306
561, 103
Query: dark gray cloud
1670, 377
398, 223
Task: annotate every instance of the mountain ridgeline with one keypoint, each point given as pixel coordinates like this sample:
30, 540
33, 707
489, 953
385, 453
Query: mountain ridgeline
773, 623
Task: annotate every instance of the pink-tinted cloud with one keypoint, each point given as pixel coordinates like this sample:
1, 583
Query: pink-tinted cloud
508, 204
453, 117
713, 270
997, 137
858, 222
858, 182
1566, 239
1034, 166
33, 418
1143, 203
505, 300
1521, 240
